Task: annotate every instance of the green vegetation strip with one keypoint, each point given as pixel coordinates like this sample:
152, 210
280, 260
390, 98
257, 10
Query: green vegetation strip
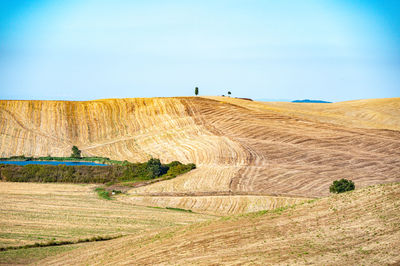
95, 159
61, 243
178, 209
31, 255
110, 174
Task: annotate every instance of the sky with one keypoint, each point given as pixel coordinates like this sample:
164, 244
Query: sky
334, 50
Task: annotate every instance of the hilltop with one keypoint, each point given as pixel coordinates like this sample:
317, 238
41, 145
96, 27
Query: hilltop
250, 155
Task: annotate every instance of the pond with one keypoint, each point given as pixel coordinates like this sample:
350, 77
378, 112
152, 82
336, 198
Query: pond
51, 163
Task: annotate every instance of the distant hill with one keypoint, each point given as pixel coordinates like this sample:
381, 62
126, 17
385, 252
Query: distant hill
309, 101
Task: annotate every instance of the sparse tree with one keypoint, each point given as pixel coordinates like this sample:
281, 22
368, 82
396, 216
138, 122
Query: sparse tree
342, 185
196, 91
76, 153
229, 93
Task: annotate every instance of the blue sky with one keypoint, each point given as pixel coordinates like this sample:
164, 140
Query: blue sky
333, 50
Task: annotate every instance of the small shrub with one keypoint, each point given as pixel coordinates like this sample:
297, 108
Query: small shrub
342, 185
103, 193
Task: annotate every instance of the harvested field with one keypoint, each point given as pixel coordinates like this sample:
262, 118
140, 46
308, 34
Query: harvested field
36, 213
250, 156
240, 147
218, 205
355, 228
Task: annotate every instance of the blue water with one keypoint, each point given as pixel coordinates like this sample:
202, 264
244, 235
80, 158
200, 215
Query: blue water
50, 163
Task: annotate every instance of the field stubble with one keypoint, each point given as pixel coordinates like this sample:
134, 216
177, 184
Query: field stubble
360, 227
239, 146
38, 213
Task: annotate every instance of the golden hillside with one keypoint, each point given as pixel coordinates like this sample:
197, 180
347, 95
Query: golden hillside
354, 228
246, 152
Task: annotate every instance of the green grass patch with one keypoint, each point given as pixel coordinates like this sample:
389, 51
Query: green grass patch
178, 209
103, 193
30, 255
60, 243
155, 207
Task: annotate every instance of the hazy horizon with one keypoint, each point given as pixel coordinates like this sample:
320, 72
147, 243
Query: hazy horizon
287, 50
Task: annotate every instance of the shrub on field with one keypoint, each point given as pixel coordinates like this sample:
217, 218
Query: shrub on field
178, 169
342, 185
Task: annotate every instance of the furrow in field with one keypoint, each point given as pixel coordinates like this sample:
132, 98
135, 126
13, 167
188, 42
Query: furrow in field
220, 205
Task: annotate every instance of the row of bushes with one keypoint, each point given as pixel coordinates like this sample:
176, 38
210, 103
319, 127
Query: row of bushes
103, 160
93, 174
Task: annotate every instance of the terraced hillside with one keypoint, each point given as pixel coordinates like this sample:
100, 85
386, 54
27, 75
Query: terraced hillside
242, 148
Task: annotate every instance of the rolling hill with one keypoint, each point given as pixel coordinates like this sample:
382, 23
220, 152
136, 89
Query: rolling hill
250, 155
355, 228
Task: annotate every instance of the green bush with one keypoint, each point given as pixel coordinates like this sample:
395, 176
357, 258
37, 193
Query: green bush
178, 169
76, 152
144, 171
103, 193
342, 185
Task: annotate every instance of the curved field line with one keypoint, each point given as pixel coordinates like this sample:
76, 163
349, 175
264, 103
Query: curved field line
239, 146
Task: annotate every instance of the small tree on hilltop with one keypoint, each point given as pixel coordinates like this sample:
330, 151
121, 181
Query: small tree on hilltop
342, 185
196, 91
229, 93
76, 153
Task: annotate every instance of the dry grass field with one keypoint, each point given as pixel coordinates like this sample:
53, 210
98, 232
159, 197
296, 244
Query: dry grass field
241, 148
355, 228
250, 156
216, 205
37, 213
